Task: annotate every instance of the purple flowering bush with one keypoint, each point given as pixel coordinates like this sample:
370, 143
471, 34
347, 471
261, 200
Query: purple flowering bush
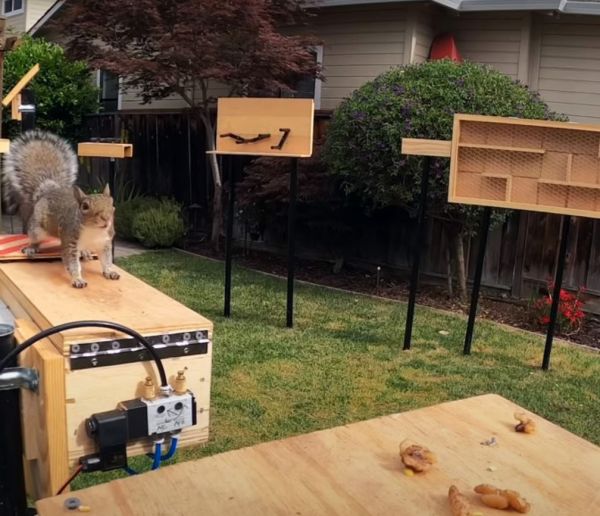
363, 148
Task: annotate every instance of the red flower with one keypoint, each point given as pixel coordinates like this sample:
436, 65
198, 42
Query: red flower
565, 296
545, 319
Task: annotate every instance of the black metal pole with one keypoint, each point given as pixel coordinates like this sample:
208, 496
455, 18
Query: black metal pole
483, 235
292, 242
417, 246
229, 237
562, 253
27, 110
13, 499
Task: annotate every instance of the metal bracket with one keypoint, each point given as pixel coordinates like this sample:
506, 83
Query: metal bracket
19, 377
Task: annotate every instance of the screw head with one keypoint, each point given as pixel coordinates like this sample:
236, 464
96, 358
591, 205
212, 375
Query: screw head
72, 503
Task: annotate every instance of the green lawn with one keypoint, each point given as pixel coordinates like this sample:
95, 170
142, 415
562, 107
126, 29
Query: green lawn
344, 362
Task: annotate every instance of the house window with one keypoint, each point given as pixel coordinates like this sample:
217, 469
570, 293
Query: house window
12, 6
309, 87
109, 90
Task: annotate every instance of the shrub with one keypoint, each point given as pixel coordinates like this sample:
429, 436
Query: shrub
63, 89
159, 226
419, 101
126, 211
363, 148
570, 310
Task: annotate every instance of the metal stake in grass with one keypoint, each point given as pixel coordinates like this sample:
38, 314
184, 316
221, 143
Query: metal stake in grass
417, 246
562, 253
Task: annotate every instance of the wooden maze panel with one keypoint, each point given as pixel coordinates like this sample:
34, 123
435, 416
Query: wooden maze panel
265, 127
526, 164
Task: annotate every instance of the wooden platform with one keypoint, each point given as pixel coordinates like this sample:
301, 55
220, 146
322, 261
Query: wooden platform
355, 470
43, 293
91, 370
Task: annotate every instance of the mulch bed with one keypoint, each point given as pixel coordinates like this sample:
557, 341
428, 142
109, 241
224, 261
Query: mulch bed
504, 310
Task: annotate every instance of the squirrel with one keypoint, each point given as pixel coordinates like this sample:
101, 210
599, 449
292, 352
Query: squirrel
39, 174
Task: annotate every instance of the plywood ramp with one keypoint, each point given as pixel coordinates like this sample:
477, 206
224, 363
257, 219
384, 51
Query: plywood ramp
355, 470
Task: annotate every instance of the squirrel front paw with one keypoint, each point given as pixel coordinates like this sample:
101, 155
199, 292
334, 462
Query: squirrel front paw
111, 275
86, 256
29, 251
79, 283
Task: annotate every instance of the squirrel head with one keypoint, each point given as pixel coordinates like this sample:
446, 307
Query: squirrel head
97, 210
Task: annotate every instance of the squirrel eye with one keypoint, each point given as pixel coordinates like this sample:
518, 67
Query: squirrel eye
85, 206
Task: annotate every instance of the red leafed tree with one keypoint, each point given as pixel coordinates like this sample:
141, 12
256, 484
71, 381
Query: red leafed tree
186, 47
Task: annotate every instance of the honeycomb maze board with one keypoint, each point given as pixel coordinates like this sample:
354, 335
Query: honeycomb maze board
250, 117
522, 164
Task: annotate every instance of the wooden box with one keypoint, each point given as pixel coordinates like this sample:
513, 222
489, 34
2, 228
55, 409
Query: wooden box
533, 165
86, 371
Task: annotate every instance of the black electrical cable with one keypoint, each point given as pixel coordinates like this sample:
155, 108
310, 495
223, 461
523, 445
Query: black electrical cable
88, 324
71, 478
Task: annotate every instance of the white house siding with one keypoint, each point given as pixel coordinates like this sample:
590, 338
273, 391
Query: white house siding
16, 24
34, 10
424, 36
492, 39
569, 66
131, 101
358, 45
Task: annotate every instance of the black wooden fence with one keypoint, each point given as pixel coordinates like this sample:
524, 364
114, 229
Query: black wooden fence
170, 161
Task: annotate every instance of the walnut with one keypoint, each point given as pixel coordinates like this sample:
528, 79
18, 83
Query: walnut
526, 424
416, 457
502, 498
459, 505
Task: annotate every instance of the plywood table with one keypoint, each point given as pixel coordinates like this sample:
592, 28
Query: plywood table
355, 469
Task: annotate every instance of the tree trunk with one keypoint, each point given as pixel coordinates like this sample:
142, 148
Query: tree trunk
459, 250
217, 204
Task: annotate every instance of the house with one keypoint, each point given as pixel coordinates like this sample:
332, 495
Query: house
552, 46
22, 15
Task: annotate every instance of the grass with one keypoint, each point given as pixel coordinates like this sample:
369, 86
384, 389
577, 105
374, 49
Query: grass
343, 361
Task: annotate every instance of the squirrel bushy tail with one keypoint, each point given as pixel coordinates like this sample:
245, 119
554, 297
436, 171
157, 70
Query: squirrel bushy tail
38, 161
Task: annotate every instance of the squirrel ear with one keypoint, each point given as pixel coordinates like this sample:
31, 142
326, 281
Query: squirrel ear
79, 194
106, 190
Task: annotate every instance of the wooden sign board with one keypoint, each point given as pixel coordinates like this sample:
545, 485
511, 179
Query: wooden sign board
105, 150
532, 165
265, 127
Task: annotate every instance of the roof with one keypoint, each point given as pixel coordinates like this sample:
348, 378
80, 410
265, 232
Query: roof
54, 8
566, 6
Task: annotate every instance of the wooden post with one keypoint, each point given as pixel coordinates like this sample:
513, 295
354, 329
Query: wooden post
2, 50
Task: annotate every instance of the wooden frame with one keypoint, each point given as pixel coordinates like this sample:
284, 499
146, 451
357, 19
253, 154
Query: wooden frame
13, 97
105, 150
532, 165
513, 163
265, 120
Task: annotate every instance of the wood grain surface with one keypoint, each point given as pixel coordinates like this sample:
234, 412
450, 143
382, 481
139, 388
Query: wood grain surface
355, 469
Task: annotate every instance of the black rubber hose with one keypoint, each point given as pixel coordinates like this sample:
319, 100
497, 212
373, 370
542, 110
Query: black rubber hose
88, 324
